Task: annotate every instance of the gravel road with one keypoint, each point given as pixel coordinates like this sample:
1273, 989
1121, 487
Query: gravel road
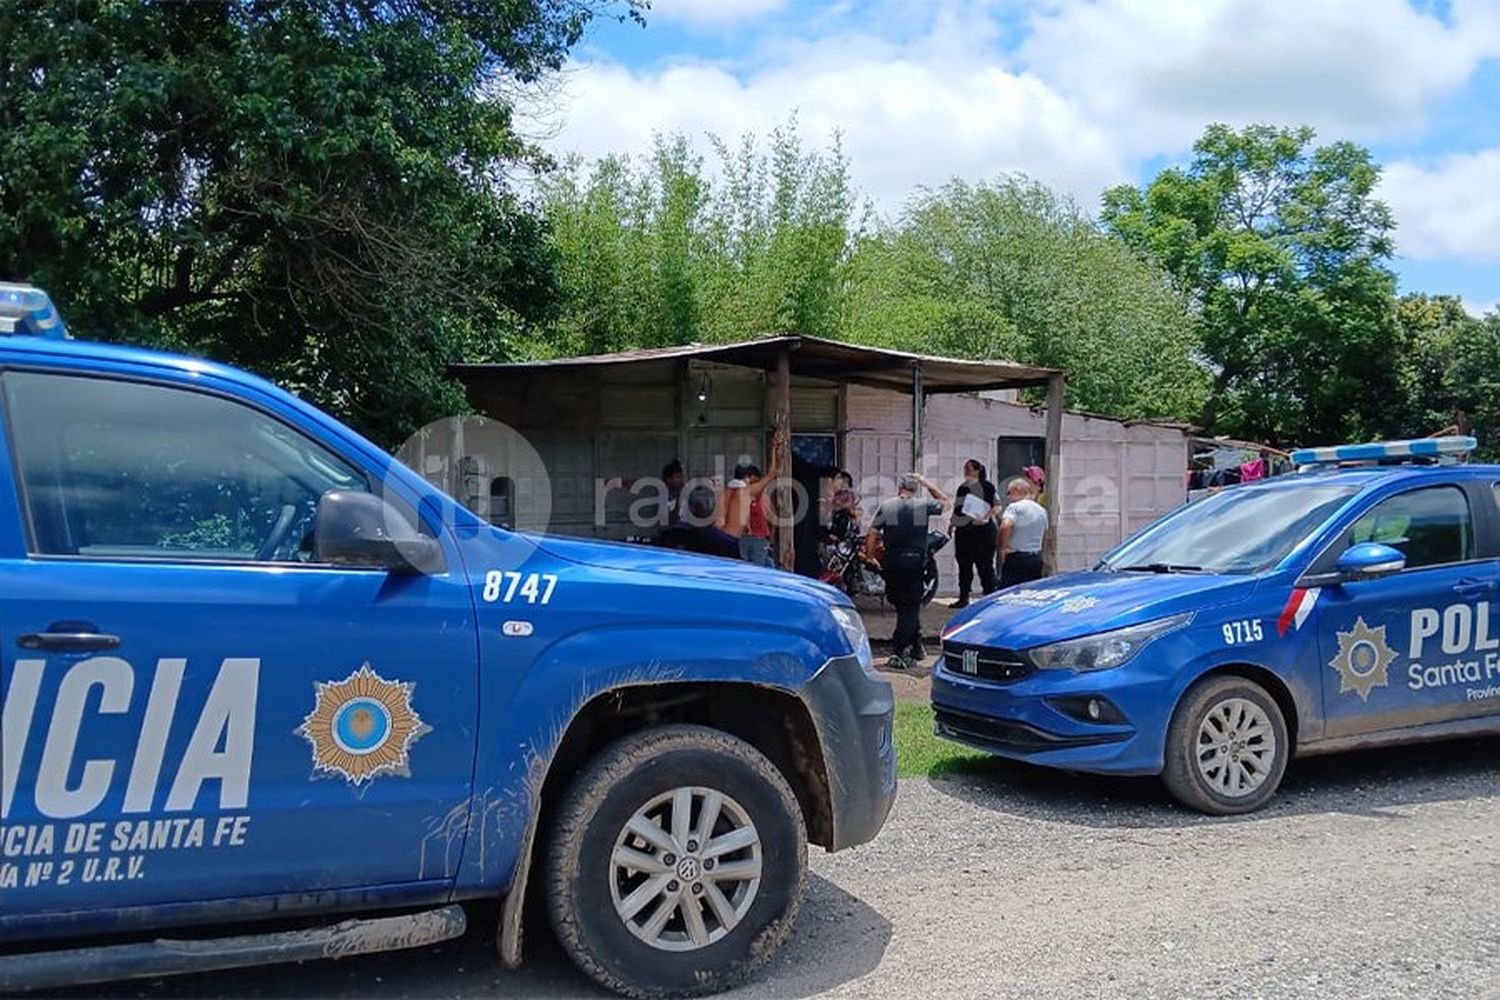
1371, 875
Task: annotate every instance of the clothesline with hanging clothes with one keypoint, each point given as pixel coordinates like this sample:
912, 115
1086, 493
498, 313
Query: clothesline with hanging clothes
1225, 462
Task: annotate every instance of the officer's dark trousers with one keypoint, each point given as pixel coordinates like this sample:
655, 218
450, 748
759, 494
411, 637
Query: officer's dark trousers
1020, 567
974, 547
903, 588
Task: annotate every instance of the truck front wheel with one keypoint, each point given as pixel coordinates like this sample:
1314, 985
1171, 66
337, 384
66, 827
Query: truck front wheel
675, 863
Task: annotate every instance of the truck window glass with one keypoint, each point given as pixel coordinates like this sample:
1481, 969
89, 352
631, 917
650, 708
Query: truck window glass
115, 469
1429, 526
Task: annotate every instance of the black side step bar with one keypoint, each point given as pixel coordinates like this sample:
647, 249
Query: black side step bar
165, 957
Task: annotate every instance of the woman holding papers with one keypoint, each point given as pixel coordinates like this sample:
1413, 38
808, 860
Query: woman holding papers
973, 526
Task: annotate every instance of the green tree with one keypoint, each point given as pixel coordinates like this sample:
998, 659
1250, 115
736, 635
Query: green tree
1448, 369
774, 238
315, 189
629, 241
780, 231
1475, 381
1282, 248
665, 251
1012, 270
1431, 331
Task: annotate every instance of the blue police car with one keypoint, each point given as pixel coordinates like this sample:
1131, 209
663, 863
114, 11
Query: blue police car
1348, 605
256, 672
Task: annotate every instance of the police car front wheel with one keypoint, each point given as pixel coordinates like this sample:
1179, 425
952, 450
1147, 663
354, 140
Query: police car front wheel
1227, 747
675, 863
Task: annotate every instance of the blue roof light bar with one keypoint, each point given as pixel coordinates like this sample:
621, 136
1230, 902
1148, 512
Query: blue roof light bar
1378, 450
26, 309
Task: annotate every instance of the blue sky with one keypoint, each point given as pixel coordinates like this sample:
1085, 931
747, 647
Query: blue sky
1079, 94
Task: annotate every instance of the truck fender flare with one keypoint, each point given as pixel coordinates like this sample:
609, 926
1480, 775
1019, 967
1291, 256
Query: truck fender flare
778, 671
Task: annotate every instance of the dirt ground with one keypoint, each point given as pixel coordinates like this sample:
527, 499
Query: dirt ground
880, 622
1371, 875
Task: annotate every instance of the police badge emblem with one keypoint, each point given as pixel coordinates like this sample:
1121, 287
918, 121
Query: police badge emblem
1364, 659
362, 727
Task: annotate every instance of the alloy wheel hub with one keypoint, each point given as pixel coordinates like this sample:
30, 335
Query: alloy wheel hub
1236, 748
685, 869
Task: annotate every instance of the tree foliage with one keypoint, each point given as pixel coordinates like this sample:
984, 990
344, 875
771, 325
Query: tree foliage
315, 189
665, 251
1282, 248
1011, 270
773, 238
1475, 381
319, 190
1448, 370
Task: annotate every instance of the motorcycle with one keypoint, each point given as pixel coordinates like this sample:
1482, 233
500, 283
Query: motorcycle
935, 541
845, 565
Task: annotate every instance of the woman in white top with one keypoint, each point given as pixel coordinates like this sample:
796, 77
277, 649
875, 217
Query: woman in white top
1023, 525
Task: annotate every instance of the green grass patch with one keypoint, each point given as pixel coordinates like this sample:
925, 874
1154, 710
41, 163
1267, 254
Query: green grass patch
921, 754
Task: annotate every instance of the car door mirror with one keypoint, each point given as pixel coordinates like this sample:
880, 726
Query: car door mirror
1369, 561
360, 530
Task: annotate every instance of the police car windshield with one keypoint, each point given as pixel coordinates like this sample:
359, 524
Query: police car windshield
1236, 531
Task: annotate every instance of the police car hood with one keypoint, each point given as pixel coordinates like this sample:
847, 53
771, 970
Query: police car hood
1078, 604
711, 572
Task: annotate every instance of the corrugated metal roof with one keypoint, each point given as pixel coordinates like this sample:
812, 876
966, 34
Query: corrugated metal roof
811, 357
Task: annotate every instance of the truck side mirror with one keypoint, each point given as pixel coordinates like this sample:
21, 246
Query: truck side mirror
1369, 561
361, 530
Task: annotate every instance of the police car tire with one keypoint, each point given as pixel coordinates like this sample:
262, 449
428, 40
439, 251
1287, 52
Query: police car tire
1181, 774
596, 807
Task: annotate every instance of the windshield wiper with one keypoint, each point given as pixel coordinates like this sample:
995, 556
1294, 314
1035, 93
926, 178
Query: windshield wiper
1160, 567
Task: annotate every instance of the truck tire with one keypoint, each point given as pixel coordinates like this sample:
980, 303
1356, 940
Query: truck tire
1227, 747
675, 863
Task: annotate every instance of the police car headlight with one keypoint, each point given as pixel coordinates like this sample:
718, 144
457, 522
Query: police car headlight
1105, 649
853, 627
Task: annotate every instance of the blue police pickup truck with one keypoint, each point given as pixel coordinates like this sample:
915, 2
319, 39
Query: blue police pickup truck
269, 696
1348, 605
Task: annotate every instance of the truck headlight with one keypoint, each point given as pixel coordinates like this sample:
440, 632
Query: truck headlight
1104, 649
853, 627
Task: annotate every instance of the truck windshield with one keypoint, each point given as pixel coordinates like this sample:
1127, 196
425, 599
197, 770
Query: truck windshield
1236, 531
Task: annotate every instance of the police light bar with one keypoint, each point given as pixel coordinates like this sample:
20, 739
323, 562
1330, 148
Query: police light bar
26, 309
1377, 450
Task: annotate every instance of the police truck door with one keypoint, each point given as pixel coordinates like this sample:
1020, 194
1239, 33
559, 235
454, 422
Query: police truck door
1408, 649
194, 709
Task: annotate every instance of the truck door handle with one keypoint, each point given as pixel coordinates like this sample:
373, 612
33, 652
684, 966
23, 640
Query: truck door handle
69, 637
1473, 588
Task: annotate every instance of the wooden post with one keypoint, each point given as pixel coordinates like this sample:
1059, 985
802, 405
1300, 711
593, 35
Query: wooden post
786, 555
918, 401
1052, 488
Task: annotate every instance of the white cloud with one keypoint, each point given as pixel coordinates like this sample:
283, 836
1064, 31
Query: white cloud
711, 13
1076, 93
1448, 208
909, 115
1158, 70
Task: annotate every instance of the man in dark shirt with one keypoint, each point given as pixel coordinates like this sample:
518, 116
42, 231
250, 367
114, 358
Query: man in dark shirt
899, 533
673, 478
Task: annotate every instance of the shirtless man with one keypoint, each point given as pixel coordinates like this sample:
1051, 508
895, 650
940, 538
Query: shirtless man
742, 512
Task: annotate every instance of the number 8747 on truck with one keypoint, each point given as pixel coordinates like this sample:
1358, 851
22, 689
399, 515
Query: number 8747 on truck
255, 669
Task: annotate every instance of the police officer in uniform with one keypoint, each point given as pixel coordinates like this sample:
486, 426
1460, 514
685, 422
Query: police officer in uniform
897, 542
